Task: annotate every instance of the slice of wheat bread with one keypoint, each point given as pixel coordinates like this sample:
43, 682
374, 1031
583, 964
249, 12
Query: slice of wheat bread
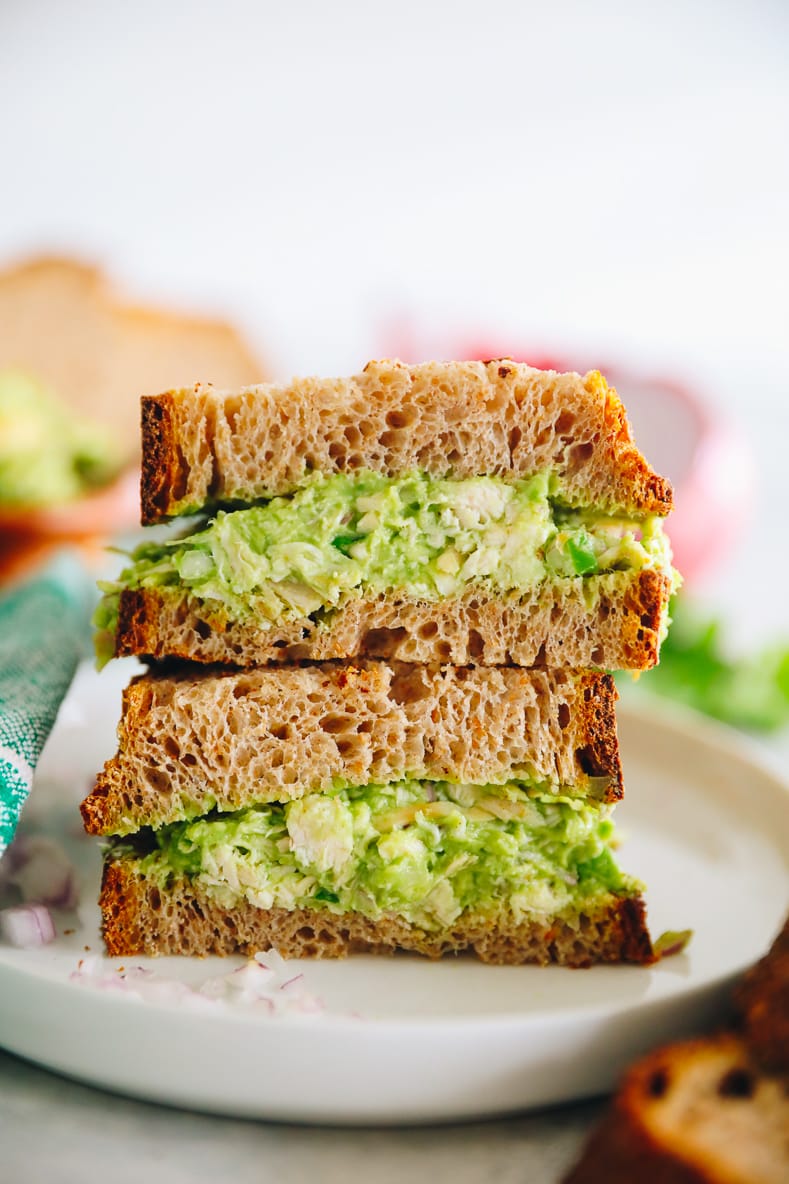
188, 741
699, 1112
141, 917
203, 447
611, 622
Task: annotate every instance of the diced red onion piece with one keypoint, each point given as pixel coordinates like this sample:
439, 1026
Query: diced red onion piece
254, 985
272, 960
27, 925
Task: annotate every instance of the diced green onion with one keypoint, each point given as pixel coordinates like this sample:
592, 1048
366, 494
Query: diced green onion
583, 557
672, 942
344, 541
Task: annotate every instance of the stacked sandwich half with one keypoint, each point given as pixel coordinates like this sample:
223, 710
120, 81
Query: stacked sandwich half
375, 714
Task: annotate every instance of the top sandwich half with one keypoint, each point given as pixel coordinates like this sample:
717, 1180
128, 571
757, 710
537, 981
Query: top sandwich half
468, 512
205, 448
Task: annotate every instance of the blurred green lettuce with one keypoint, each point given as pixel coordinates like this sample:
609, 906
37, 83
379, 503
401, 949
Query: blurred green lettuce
750, 692
48, 454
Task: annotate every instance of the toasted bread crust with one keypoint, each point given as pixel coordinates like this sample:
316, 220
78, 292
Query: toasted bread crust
160, 467
557, 625
697, 1112
203, 447
188, 742
138, 917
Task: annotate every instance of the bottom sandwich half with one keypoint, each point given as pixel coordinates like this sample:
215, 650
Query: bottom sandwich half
325, 810
428, 867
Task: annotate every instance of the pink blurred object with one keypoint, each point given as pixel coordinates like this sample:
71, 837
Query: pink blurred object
28, 537
709, 464
109, 510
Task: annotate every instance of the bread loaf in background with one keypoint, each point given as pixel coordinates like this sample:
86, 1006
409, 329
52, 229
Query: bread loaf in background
61, 321
709, 1111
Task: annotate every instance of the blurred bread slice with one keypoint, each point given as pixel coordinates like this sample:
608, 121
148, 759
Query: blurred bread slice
62, 321
713, 1110
762, 1001
699, 1112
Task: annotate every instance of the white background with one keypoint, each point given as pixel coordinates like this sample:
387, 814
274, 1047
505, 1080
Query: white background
609, 180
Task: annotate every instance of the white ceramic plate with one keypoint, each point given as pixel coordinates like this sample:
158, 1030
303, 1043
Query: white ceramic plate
404, 1040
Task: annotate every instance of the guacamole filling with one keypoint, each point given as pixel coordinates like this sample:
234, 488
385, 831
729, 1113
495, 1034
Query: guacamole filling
421, 850
47, 454
360, 534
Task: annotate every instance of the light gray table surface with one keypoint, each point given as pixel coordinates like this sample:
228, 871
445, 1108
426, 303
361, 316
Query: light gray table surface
55, 1131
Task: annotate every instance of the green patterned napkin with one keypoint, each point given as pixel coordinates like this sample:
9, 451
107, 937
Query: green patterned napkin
44, 631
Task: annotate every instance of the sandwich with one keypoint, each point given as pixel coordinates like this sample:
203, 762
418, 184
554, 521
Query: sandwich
465, 513
374, 716
334, 808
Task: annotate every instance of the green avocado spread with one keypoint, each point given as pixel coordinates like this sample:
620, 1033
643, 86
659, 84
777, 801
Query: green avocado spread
351, 535
47, 454
424, 851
